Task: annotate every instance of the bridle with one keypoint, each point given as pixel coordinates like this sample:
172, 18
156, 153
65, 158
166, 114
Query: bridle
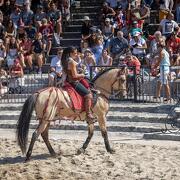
118, 79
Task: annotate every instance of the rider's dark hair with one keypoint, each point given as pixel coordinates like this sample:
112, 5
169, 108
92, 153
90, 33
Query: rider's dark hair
65, 57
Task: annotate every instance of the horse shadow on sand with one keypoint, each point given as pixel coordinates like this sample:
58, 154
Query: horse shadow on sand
20, 159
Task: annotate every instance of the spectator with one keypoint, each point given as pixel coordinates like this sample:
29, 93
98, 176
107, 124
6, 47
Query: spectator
118, 45
119, 19
56, 68
97, 48
86, 29
38, 48
47, 33
135, 29
25, 54
84, 46
138, 45
132, 61
106, 12
15, 16
105, 59
10, 32
21, 32
164, 63
168, 25
89, 61
39, 15
152, 57
27, 14
165, 8
108, 32
12, 52
16, 69
56, 18
2, 52
2, 31
3, 75
173, 46
31, 31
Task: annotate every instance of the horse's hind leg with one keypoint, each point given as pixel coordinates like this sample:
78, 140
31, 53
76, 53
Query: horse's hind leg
90, 134
42, 126
45, 136
102, 125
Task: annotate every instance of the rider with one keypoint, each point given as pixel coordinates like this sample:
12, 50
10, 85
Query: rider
77, 80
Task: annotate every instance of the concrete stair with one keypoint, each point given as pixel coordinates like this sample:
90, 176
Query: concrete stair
147, 120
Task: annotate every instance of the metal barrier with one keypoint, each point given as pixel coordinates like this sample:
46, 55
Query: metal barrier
16, 90
140, 87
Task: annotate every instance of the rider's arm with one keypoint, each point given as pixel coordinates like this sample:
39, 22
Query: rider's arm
74, 72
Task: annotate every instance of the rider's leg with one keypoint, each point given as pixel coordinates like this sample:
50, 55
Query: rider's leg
83, 91
88, 103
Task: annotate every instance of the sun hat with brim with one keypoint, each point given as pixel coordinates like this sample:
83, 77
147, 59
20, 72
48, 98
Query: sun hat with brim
86, 18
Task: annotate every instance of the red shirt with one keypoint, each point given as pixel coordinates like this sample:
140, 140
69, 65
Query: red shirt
46, 30
174, 44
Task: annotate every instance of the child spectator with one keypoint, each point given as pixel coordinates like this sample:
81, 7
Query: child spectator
56, 69
16, 69
16, 16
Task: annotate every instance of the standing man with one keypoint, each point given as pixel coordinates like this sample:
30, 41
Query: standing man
164, 64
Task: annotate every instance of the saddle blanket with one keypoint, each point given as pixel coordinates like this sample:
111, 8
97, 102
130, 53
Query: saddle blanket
76, 99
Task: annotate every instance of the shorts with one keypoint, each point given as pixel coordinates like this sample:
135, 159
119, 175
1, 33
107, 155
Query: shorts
164, 76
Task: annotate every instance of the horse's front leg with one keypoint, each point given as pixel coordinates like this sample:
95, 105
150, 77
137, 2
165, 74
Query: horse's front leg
90, 134
103, 128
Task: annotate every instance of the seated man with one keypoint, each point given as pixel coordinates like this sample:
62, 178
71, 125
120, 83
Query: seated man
56, 69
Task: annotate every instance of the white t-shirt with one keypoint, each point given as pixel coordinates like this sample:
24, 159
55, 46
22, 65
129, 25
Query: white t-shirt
56, 63
140, 42
168, 26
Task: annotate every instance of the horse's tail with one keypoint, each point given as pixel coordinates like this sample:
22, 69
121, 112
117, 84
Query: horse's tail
24, 121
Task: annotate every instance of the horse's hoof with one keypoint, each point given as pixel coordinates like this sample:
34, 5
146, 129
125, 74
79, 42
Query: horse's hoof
54, 155
26, 160
80, 151
112, 151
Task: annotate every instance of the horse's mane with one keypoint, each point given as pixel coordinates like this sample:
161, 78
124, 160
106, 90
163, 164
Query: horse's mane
100, 74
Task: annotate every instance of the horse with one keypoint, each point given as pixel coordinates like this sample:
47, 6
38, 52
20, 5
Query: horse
54, 103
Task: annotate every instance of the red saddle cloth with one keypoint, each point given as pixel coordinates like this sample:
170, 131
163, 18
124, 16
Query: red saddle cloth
76, 99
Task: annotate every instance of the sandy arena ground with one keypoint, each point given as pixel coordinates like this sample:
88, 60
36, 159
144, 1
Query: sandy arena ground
134, 159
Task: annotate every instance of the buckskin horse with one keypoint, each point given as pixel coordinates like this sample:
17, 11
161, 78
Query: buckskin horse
54, 103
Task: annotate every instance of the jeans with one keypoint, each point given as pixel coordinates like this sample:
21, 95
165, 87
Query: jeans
178, 13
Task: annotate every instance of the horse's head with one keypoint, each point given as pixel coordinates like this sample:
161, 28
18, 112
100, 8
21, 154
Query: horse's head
119, 84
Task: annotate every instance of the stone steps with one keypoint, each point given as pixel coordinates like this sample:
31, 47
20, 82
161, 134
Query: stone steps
85, 9
112, 126
146, 119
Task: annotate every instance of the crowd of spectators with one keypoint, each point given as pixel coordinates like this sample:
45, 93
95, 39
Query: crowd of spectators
28, 29
121, 38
